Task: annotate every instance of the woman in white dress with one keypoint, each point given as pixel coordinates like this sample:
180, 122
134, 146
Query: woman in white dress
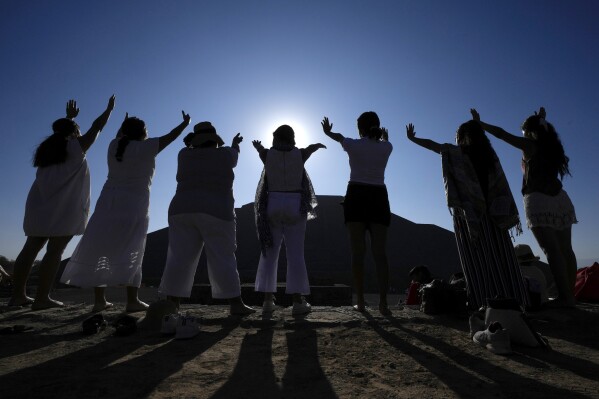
285, 200
366, 205
57, 205
111, 251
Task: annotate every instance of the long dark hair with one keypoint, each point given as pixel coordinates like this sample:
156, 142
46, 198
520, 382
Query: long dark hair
53, 150
132, 129
471, 137
536, 128
283, 135
369, 125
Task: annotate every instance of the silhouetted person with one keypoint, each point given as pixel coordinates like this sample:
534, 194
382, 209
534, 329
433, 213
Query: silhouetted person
202, 214
548, 208
111, 251
366, 205
57, 205
285, 200
483, 210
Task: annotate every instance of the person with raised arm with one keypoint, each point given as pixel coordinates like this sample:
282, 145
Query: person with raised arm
366, 207
285, 201
57, 206
548, 208
111, 251
202, 214
483, 210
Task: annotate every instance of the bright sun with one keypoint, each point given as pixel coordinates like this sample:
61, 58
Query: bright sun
303, 137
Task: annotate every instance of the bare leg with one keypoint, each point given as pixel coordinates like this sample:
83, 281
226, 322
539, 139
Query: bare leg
100, 302
133, 302
565, 241
378, 244
550, 244
47, 273
237, 307
357, 243
23, 265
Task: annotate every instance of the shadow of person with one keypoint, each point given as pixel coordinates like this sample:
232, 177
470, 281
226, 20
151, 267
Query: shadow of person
304, 376
254, 375
113, 367
466, 371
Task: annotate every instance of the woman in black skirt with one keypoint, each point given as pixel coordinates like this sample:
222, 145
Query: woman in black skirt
366, 205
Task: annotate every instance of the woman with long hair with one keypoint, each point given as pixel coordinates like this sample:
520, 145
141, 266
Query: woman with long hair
483, 211
285, 200
202, 215
57, 205
366, 207
548, 208
111, 251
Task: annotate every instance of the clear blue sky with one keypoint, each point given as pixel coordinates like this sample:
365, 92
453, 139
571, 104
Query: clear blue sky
249, 66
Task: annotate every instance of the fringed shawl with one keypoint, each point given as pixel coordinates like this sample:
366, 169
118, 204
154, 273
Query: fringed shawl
465, 197
308, 204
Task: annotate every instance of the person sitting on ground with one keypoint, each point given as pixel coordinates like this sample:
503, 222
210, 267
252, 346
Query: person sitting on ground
202, 213
531, 271
57, 205
111, 251
285, 200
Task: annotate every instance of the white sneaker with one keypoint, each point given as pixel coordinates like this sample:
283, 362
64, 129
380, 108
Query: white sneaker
268, 306
301, 308
495, 338
169, 324
187, 327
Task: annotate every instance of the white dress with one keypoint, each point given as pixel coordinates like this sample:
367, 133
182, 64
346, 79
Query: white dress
111, 251
58, 202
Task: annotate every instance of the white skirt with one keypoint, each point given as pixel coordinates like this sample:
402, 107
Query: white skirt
111, 250
544, 210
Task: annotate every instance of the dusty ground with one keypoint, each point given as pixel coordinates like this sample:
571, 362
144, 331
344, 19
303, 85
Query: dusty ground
333, 352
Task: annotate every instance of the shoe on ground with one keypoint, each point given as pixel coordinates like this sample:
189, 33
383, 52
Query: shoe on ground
476, 324
495, 338
302, 307
268, 306
187, 327
169, 324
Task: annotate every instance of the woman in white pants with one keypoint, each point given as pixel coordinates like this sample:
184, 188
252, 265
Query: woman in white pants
202, 214
285, 200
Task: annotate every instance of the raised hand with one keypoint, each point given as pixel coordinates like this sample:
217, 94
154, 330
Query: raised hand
111, 101
186, 118
385, 136
319, 145
237, 139
475, 115
542, 112
257, 144
410, 132
72, 110
327, 127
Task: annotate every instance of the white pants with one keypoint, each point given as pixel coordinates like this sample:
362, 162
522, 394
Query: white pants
286, 223
187, 235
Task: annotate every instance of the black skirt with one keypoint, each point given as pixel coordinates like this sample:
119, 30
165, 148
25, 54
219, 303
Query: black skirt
365, 203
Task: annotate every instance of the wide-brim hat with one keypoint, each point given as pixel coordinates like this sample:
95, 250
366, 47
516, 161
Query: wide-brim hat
524, 253
205, 132
155, 313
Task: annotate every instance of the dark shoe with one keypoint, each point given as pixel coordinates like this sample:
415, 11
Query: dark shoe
125, 325
94, 324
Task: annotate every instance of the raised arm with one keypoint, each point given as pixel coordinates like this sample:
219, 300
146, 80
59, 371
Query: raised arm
311, 149
518, 142
327, 129
164, 141
385, 136
261, 150
236, 140
89, 138
426, 143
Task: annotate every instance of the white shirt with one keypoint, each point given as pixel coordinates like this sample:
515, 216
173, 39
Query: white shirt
367, 159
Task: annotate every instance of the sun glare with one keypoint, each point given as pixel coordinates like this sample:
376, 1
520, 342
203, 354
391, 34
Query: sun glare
303, 137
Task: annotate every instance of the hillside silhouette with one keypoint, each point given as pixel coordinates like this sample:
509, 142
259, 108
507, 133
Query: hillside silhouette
326, 249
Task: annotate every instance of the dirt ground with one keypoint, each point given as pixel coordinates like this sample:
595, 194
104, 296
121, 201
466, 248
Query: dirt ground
334, 352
